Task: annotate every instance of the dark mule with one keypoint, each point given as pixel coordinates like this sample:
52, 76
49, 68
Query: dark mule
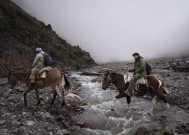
119, 82
54, 78
152, 86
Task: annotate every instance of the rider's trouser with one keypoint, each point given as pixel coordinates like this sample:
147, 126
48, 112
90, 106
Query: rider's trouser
133, 83
33, 74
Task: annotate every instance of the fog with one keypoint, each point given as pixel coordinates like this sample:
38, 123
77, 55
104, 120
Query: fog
112, 30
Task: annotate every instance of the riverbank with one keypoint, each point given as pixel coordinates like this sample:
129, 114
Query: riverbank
97, 117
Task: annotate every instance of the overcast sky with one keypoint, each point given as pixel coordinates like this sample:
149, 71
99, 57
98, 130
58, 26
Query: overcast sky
112, 30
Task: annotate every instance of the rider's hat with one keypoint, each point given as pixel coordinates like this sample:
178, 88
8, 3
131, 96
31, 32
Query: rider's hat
134, 54
38, 49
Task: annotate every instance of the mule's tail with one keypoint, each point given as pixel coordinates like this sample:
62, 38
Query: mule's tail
67, 83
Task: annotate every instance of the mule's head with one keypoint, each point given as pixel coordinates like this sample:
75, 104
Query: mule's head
12, 80
106, 81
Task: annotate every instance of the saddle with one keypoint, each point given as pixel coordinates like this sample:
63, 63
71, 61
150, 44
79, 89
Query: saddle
43, 72
141, 81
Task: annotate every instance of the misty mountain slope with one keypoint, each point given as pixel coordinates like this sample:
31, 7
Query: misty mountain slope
20, 34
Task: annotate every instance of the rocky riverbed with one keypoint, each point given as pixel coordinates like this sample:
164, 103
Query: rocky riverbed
44, 119
51, 120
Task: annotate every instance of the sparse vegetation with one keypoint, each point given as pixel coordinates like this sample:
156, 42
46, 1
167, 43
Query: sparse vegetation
20, 34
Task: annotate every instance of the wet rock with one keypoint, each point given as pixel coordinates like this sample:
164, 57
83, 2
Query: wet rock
16, 123
90, 74
6, 94
51, 133
66, 124
183, 128
75, 127
81, 123
22, 131
63, 132
141, 131
13, 97
30, 123
47, 115
3, 82
167, 133
2, 122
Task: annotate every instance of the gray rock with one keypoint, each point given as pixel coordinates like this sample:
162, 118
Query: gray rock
167, 133
2, 122
16, 123
22, 131
80, 123
13, 97
63, 132
47, 115
50, 133
30, 123
141, 131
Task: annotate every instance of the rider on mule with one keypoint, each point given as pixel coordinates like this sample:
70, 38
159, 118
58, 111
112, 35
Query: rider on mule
139, 72
37, 65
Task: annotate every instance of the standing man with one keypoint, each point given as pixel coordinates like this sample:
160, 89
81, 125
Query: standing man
37, 65
139, 71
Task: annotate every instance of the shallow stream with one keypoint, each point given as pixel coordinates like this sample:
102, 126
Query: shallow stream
100, 120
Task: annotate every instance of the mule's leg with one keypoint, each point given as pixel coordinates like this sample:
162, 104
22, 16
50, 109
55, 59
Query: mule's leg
120, 95
37, 94
53, 87
25, 94
128, 101
61, 89
113, 104
153, 102
54, 97
159, 94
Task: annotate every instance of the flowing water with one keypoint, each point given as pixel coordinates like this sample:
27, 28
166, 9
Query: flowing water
100, 120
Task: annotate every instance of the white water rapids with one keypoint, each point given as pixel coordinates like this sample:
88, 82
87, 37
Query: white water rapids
100, 120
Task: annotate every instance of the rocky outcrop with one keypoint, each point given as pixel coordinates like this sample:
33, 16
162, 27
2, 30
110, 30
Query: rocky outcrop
21, 34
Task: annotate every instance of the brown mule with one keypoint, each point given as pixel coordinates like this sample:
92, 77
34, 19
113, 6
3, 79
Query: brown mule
54, 78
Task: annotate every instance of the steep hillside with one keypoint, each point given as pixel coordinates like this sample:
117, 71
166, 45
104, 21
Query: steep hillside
20, 34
